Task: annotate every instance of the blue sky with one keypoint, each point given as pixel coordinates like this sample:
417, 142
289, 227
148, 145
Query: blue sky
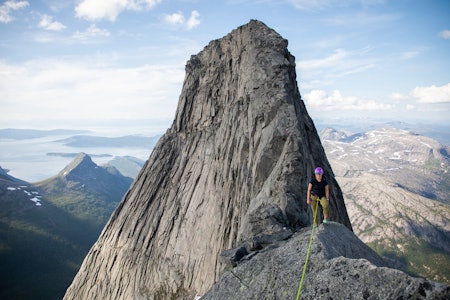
119, 64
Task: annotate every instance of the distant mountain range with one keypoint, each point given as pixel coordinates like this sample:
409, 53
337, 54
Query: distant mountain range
35, 155
439, 132
47, 228
396, 186
73, 154
129, 141
127, 165
76, 138
22, 134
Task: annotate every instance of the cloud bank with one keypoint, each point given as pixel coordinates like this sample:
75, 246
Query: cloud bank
82, 90
48, 23
432, 94
321, 100
445, 34
8, 7
95, 10
178, 20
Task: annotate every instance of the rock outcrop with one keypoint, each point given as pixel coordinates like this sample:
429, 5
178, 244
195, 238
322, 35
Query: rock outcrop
233, 167
340, 267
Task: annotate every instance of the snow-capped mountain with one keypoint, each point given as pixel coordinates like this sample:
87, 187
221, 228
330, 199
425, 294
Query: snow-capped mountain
396, 187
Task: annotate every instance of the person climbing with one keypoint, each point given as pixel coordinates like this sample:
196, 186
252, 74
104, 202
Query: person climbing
319, 192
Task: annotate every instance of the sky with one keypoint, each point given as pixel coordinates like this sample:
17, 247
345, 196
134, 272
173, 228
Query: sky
119, 65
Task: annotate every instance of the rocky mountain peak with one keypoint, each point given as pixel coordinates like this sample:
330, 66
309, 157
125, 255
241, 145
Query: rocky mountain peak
233, 167
81, 165
206, 95
84, 174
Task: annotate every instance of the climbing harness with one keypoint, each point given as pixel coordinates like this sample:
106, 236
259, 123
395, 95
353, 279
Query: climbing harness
307, 253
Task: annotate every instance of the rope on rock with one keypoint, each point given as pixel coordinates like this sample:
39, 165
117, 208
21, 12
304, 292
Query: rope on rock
308, 252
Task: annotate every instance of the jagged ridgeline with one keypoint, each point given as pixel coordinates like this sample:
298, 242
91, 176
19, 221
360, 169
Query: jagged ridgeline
234, 165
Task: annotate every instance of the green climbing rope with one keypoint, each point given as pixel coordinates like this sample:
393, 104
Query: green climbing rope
307, 253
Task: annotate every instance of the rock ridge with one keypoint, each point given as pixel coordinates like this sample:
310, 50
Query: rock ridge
340, 267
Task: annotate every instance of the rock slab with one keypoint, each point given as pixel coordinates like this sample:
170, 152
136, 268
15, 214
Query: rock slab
340, 267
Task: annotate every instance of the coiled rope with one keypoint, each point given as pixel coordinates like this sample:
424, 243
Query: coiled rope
308, 252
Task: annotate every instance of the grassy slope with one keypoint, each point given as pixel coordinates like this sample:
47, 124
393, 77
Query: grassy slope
42, 247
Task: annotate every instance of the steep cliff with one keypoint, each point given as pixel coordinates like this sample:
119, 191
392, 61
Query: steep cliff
234, 166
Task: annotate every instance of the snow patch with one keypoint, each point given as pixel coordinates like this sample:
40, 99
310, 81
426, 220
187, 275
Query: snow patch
34, 195
396, 156
373, 142
427, 145
334, 150
342, 156
37, 200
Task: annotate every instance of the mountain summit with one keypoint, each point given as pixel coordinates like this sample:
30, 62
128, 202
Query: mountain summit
229, 176
80, 168
86, 188
235, 165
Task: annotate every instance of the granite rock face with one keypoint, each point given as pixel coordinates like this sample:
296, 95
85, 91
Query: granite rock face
340, 267
233, 169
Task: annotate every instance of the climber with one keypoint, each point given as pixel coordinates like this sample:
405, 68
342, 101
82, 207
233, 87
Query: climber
318, 191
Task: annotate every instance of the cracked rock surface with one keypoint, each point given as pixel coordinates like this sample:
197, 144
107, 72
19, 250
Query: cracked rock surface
234, 165
340, 267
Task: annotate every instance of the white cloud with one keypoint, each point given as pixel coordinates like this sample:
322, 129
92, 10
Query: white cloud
92, 33
94, 10
9, 6
68, 90
445, 34
336, 58
321, 100
177, 19
410, 54
399, 96
315, 4
361, 19
325, 4
339, 64
48, 23
432, 94
194, 20
410, 107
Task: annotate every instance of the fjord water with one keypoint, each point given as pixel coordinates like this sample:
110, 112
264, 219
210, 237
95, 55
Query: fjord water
28, 159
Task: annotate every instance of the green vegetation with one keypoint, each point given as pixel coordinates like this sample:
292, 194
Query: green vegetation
445, 182
432, 163
417, 258
40, 251
42, 247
